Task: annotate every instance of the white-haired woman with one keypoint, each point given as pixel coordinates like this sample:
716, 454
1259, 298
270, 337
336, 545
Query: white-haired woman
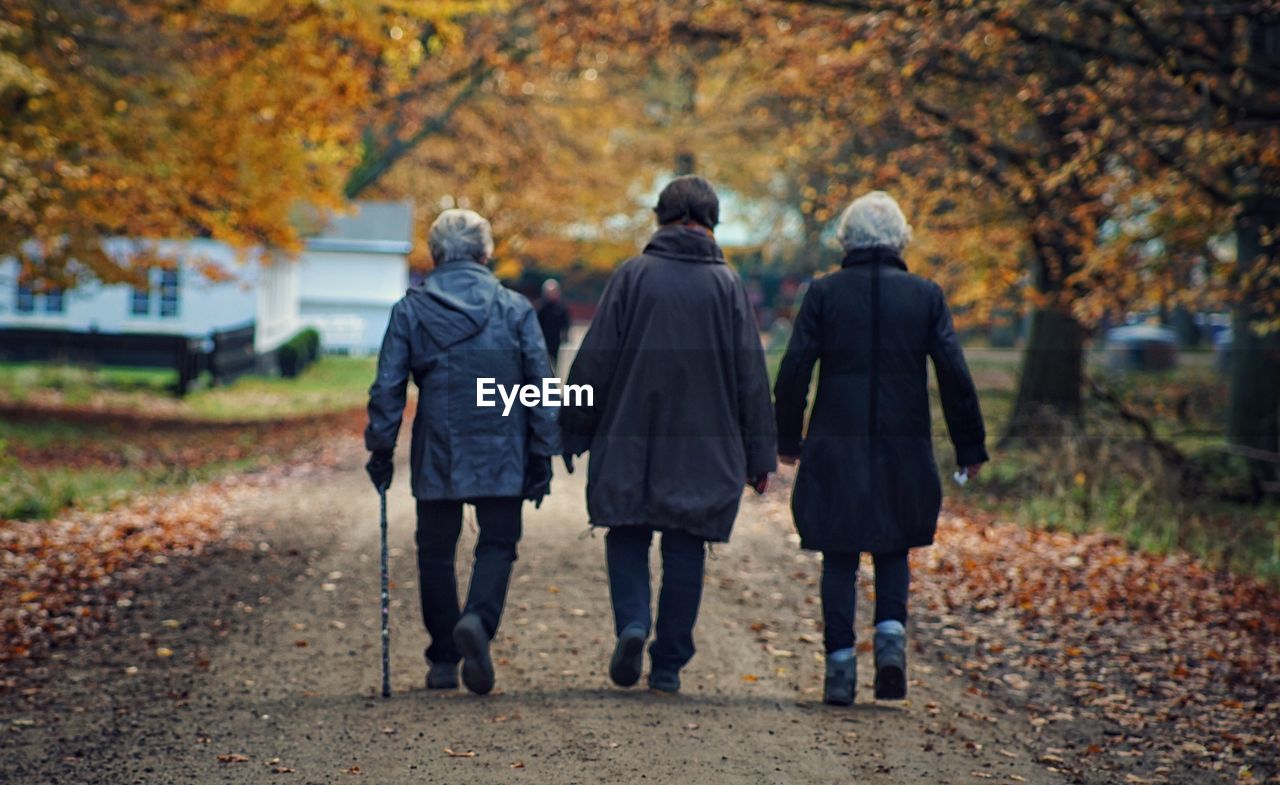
457, 326
867, 481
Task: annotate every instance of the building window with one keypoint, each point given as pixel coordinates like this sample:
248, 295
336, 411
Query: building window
26, 300
169, 293
55, 301
140, 301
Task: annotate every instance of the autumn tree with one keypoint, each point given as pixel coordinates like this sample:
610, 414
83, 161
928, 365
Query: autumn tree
160, 118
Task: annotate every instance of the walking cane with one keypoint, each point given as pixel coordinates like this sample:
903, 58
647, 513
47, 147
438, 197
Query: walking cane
386, 616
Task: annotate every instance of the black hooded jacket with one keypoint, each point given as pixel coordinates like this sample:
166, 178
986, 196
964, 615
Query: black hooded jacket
682, 413
867, 479
458, 325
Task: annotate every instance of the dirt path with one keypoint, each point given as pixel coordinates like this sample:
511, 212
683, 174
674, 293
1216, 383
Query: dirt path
274, 667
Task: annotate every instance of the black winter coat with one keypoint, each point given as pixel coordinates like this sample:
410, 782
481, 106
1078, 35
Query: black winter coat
867, 479
457, 325
682, 413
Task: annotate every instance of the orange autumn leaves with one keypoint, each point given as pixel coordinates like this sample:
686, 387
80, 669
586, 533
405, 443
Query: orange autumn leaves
160, 118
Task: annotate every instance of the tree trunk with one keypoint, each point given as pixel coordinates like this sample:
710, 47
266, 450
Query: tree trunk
1052, 376
1253, 417
1049, 386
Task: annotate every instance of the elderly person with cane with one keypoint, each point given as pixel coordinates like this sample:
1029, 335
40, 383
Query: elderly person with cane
459, 325
867, 481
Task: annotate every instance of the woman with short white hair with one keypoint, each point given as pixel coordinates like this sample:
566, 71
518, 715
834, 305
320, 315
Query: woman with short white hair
459, 325
867, 481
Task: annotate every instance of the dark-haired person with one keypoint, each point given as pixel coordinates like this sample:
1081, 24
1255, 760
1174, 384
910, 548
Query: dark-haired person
459, 325
867, 481
682, 419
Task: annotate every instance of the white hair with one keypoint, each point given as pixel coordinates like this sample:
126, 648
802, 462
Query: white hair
550, 285
873, 220
460, 235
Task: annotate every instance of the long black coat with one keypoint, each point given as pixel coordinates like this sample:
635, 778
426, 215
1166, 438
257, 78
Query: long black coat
456, 326
682, 414
867, 479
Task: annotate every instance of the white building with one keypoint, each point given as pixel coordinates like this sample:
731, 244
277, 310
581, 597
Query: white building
353, 271
179, 301
344, 283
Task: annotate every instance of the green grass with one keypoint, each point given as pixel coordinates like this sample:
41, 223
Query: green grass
1107, 480
88, 460
77, 384
42, 493
332, 384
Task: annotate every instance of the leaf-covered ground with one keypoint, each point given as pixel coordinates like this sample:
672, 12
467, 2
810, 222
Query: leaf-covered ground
1150, 666
62, 578
1036, 656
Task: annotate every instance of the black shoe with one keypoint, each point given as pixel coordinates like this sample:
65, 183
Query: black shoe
841, 682
473, 641
891, 666
442, 676
628, 657
664, 681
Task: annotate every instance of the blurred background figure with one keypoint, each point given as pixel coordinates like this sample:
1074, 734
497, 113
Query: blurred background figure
553, 317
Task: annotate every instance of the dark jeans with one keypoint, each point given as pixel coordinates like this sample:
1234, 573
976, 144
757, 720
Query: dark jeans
683, 560
439, 524
840, 593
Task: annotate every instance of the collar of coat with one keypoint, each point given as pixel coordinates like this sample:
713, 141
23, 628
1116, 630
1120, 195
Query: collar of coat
877, 254
684, 244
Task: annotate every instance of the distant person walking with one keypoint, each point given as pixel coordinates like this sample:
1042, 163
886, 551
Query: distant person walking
553, 318
681, 420
458, 325
867, 481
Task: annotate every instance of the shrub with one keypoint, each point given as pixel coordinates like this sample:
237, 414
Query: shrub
295, 354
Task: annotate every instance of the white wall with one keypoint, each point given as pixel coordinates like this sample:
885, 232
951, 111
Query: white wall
338, 287
278, 314
203, 305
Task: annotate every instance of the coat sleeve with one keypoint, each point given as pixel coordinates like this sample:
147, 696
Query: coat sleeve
594, 364
755, 409
791, 390
544, 432
955, 386
387, 394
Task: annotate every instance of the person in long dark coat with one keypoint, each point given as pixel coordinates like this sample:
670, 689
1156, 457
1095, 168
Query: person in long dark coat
456, 326
681, 420
867, 481
553, 318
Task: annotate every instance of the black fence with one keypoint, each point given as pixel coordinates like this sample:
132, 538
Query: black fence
232, 354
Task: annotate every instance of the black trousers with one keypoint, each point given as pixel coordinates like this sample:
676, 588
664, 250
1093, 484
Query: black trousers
840, 593
439, 524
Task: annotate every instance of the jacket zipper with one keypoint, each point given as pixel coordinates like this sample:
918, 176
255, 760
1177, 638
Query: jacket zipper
873, 415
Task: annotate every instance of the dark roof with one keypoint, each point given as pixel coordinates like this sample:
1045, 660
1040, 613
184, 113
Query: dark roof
370, 227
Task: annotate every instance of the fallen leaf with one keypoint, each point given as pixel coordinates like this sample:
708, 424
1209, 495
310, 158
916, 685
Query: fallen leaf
518, 765
232, 757
455, 754
164, 651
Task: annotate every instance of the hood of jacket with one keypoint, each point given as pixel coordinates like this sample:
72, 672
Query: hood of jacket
684, 244
455, 301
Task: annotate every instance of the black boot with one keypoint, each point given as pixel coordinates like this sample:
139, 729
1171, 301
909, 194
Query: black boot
891, 665
628, 657
841, 683
472, 640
